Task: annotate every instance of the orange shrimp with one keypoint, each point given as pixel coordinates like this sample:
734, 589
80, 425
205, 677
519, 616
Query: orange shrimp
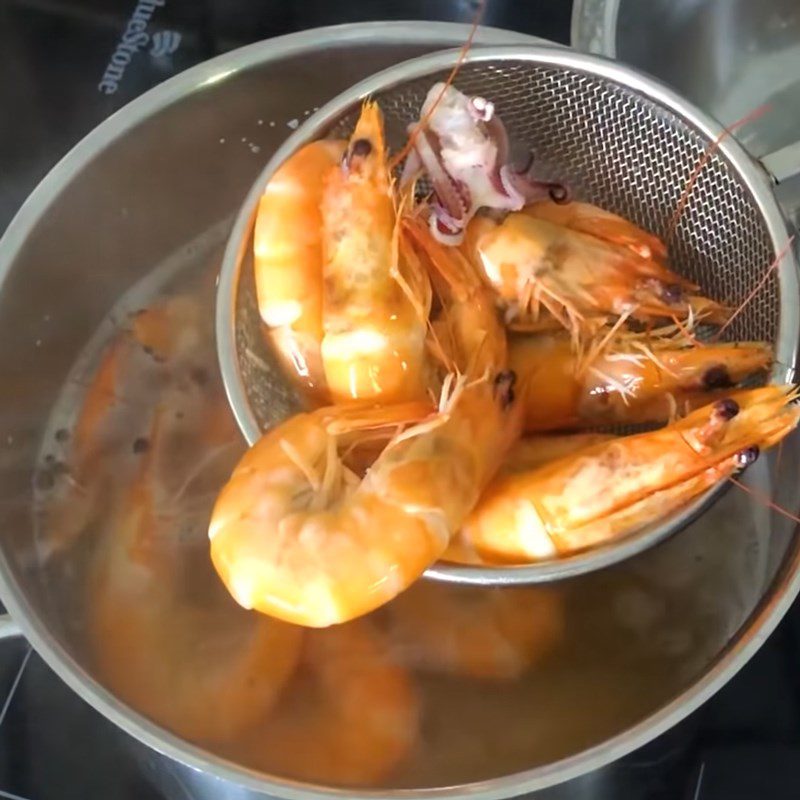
162, 638
295, 534
611, 489
551, 276
130, 373
534, 451
476, 632
528, 453
635, 379
467, 334
288, 260
373, 316
114, 414
591, 219
175, 330
348, 717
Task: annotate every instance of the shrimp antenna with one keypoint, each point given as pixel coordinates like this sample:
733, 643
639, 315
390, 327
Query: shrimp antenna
704, 159
757, 288
465, 48
765, 499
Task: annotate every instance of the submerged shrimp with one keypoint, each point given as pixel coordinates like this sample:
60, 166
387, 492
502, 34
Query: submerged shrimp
636, 379
611, 489
552, 276
373, 317
476, 632
162, 637
101, 447
288, 260
348, 716
176, 331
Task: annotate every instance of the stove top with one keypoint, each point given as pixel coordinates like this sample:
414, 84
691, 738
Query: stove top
66, 66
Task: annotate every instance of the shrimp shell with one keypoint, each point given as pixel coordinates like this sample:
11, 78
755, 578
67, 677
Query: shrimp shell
374, 325
611, 489
636, 379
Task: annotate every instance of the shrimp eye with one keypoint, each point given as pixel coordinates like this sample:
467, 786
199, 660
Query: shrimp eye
717, 377
747, 456
360, 148
559, 193
672, 293
140, 445
726, 409
504, 387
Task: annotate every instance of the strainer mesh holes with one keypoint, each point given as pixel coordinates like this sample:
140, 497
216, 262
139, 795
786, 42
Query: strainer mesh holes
616, 149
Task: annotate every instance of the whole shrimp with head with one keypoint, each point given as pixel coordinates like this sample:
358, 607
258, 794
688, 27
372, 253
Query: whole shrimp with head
375, 304
463, 147
625, 378
296, 535
614, 488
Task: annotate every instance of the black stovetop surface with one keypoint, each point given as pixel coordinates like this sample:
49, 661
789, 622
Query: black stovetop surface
743, 744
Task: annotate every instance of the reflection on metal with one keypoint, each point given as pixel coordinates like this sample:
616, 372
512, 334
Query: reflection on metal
220, 76
8, 627
783, 164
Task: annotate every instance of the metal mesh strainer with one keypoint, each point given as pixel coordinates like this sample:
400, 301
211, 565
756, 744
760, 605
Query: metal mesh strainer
618, 140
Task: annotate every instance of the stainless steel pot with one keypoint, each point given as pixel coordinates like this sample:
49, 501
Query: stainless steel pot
158, 184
